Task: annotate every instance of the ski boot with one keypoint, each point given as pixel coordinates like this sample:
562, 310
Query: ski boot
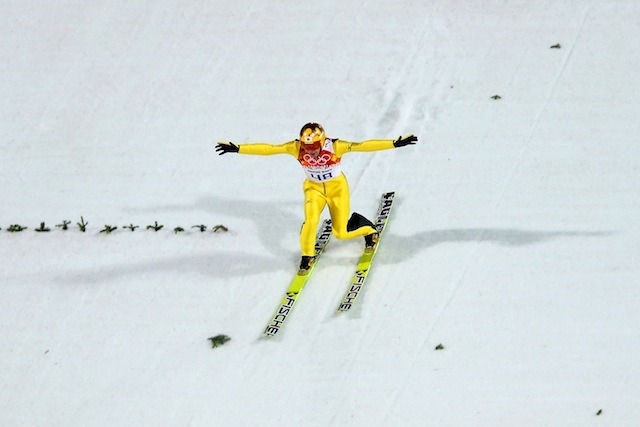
370, 242
356, 221
305, 265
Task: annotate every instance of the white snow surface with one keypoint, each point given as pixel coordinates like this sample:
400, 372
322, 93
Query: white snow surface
514, 241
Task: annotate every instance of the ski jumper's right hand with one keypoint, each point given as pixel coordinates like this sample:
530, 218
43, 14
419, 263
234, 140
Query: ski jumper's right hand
226, 147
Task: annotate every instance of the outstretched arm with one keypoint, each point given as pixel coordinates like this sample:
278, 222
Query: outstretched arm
374, 144
261, 149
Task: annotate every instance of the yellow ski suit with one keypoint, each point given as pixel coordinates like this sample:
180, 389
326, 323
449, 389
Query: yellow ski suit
325, 185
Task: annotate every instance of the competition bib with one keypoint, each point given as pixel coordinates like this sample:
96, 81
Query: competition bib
320, 163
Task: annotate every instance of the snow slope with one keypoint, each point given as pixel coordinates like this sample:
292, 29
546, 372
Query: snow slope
514, 243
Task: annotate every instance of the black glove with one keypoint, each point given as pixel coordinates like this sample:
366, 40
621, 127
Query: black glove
223, 148
401, 142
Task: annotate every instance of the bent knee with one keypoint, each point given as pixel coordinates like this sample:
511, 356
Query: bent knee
344, 234
340, 233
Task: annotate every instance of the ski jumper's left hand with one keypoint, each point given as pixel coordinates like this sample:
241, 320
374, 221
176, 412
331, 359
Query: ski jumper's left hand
401, 142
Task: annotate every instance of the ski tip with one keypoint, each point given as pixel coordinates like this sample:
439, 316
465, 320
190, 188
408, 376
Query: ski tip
268, 334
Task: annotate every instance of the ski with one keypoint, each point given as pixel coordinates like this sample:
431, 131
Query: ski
366, 259
297, 284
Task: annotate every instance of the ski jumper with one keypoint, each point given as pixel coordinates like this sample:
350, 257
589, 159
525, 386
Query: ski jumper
325, 185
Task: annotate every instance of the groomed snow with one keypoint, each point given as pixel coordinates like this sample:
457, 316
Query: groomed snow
514, 241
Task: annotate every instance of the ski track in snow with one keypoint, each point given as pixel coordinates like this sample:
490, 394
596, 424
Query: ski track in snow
536, 122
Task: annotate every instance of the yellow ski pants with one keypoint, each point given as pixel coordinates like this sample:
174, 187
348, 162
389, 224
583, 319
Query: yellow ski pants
318, 195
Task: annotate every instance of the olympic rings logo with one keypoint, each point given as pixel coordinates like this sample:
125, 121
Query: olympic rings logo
322, 160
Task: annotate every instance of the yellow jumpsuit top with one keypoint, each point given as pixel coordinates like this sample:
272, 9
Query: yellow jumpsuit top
325, 185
